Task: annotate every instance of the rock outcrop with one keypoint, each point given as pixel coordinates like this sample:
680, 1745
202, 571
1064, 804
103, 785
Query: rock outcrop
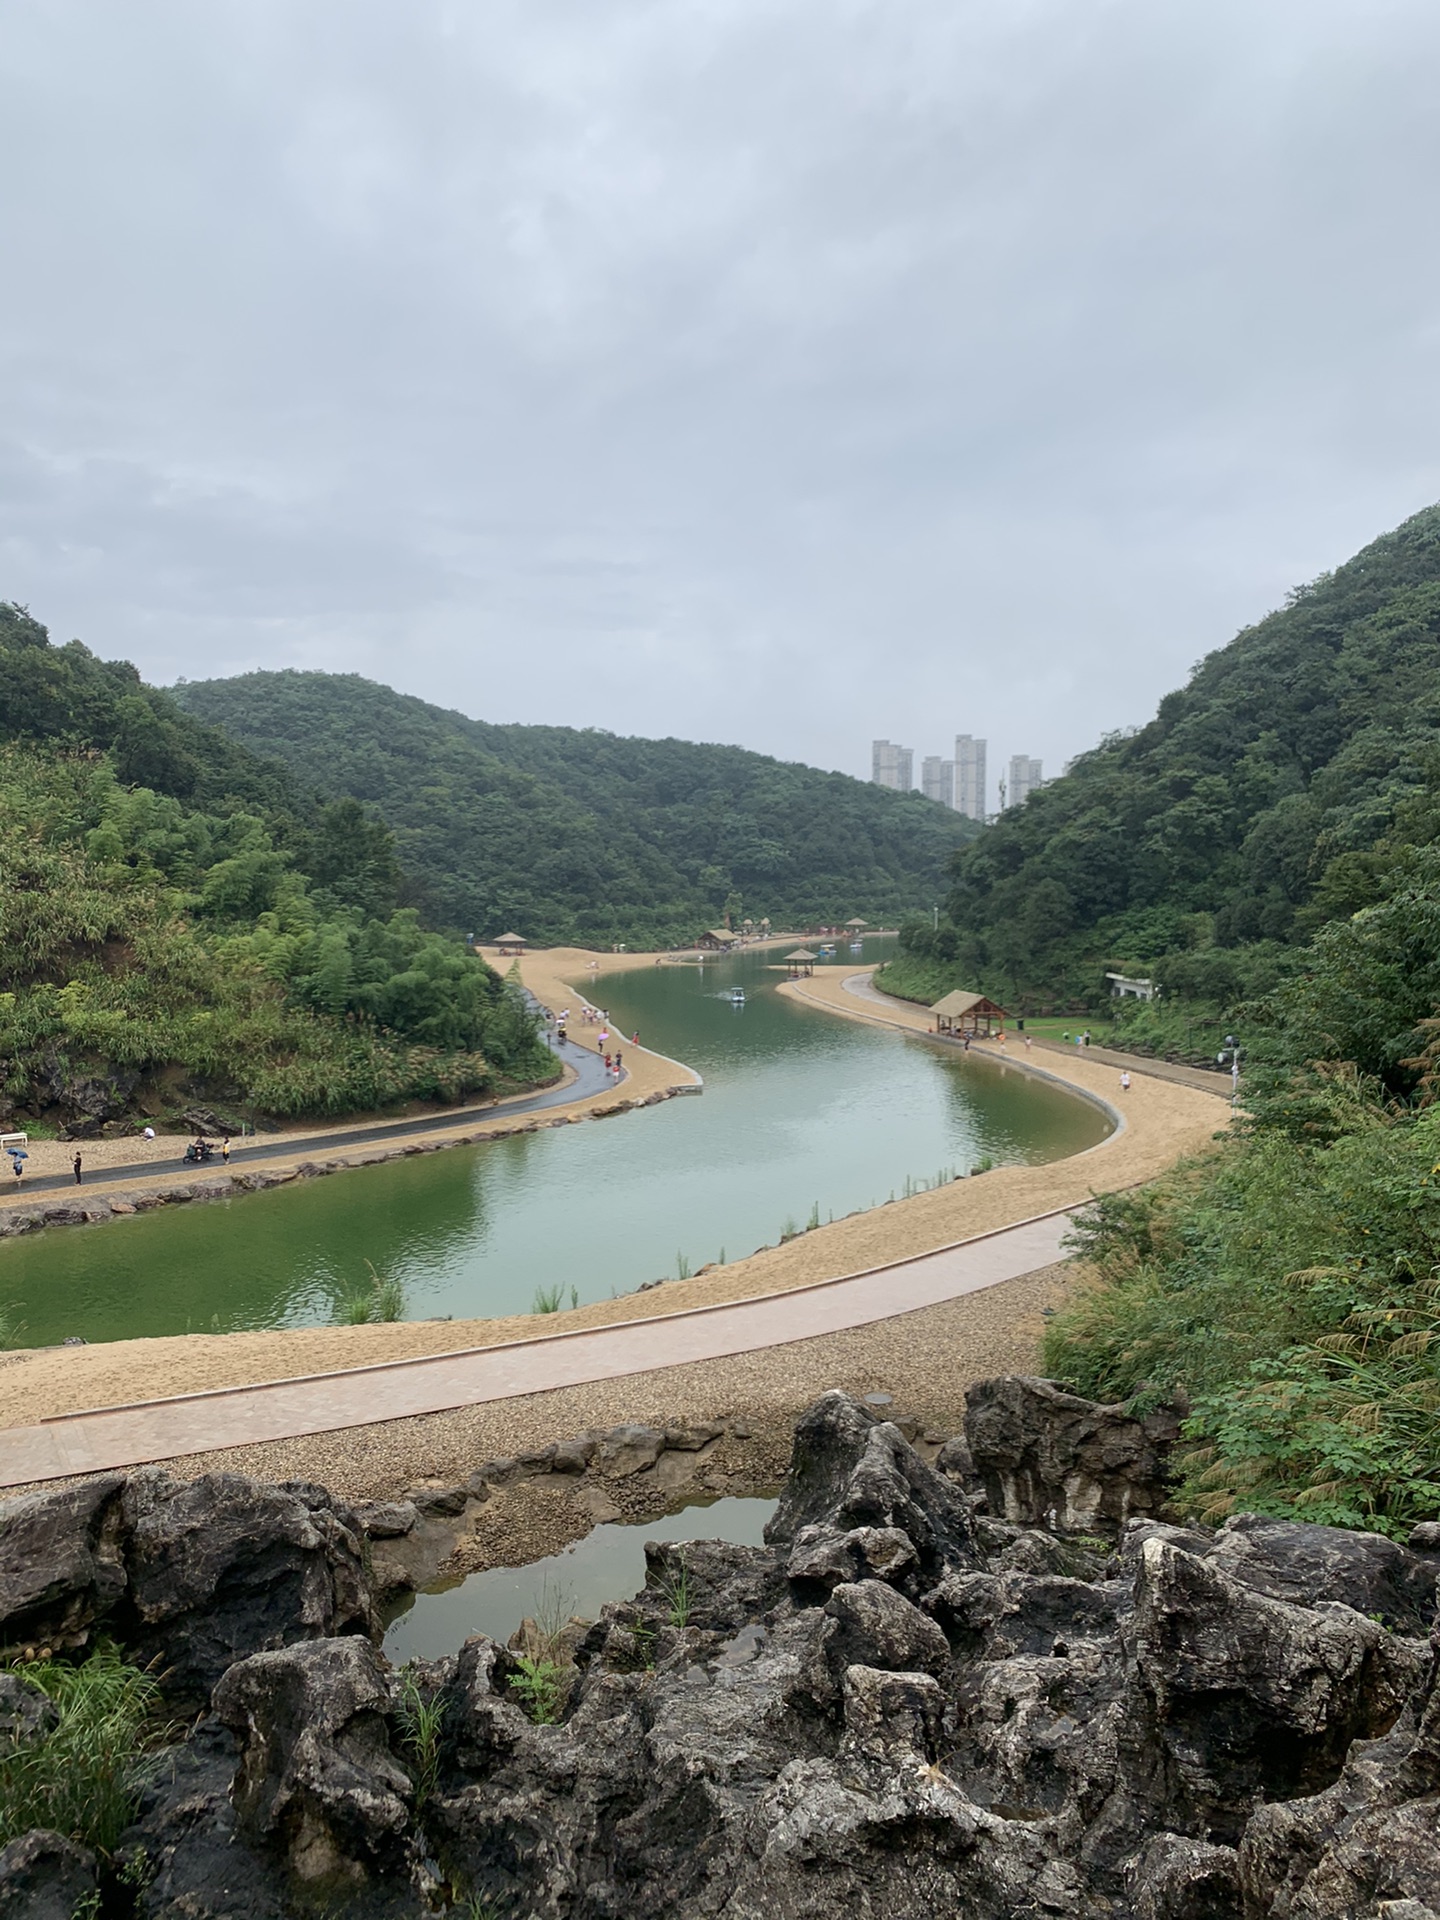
902, 1704
188, 1576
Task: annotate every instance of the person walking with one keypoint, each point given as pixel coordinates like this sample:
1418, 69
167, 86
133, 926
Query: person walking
19, 1166
617, 1063
225, 1150
1029, 1043
1125, 1082
635, 1038
79, 1177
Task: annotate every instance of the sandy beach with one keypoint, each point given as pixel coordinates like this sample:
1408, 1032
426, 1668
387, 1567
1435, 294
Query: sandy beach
1163, 1123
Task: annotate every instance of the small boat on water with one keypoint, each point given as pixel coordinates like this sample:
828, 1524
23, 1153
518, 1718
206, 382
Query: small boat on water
736, 996
857, 946
826, 953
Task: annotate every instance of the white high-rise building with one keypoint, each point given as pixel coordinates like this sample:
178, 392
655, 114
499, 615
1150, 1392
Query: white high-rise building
892, 766
937, 779
969, 776
1025, 777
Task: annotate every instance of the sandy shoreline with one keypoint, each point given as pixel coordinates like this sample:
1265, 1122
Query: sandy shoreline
1164, 1122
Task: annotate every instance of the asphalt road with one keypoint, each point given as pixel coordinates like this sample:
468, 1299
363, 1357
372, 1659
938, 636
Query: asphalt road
590, 1079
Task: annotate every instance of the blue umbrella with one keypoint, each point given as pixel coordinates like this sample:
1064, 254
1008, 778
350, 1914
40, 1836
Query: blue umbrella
17, 1153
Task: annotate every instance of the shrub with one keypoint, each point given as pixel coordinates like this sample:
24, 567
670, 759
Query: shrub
81, 1779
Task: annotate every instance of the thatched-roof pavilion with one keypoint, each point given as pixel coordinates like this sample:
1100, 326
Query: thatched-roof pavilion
511, 944
963, 1013
801, 963
718, 940
857, 923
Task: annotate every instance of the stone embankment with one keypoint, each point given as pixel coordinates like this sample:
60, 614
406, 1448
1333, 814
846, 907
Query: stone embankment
172, 1192
913, 1700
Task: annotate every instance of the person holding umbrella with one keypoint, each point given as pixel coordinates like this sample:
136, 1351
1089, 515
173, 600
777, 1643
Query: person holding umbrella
18, 1157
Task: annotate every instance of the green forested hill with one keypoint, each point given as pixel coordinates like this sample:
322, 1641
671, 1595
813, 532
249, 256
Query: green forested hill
183, 922
1269, 848
587, 836
1265, 798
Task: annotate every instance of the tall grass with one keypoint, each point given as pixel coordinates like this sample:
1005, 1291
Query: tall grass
420, 1722
382, 1300
81, 1779
548, 1299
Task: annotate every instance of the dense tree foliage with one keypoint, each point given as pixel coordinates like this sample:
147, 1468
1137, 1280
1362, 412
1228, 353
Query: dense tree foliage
1266, 798
586, 836
181, 919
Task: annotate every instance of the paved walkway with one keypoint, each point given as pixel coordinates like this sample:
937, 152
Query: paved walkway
590, 1081
93, 1441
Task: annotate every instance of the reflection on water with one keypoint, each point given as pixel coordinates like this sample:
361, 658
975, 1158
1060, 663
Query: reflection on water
804, 1115
608, 1564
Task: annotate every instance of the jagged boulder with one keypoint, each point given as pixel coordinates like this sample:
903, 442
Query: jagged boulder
317, 1781
44, 1876
62, 1564
1048, 1458
188, 1575
852, 1478
223, 1567
1254, 1698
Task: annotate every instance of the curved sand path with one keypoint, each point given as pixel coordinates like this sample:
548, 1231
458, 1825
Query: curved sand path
1164, 1121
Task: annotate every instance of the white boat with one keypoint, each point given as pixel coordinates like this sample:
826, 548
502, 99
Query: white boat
857, 946
827, 953
737, 996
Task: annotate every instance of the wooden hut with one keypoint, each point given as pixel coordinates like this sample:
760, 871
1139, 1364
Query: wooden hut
717, 940
801, 963
511, 945
857, 925
967, 1013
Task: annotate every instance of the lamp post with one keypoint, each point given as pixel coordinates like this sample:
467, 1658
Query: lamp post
1231, 1048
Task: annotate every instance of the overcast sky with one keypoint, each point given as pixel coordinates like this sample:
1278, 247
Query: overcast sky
777, 371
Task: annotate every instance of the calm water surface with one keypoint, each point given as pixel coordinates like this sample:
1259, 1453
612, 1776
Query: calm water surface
801, 1111
608, 1564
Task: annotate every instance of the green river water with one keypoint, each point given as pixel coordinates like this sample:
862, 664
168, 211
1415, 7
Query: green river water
801, 1111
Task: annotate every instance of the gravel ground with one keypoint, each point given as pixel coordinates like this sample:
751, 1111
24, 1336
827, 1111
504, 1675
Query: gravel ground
923, 1359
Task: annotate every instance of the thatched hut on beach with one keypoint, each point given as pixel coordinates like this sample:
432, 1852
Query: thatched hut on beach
510, 945
801, 963
959, 1014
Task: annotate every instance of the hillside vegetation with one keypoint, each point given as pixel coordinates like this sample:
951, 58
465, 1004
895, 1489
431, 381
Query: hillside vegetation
1275, 792
587, 837
183, 922
1269, 849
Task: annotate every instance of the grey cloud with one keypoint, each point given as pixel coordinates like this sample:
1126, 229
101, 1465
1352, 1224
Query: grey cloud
777, 371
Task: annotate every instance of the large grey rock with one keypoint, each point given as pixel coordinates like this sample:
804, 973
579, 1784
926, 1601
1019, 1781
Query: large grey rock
851, 1473
1048, 1458
1253, 1697
1291, 1560
44, 1876
61, 1562
223, 1567
318, 1781
1177, 1878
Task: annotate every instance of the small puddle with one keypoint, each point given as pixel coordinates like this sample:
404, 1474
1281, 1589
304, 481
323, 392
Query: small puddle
608, 1564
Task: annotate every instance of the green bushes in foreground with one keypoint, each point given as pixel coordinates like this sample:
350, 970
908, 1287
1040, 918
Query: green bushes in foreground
1290, 1291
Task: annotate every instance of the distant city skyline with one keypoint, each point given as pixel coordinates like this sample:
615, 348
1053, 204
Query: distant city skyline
959, 783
